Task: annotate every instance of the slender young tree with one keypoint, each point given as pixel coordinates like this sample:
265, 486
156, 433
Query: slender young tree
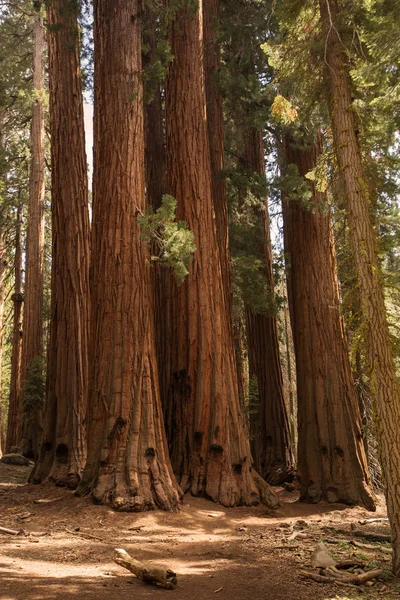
269, 424
14, 408
32, 341
384, 383
128, 464
206, 432
63, 452
331, 459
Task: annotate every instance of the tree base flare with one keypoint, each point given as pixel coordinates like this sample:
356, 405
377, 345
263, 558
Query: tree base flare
153, 574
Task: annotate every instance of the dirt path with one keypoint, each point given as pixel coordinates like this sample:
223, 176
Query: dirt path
239, 553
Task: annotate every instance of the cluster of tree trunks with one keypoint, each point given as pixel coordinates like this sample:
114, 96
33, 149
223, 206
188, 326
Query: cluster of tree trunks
137, 414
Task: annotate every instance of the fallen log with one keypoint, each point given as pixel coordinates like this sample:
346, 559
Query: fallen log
372, 536
331, 577
368, 535
156, 575
12, 531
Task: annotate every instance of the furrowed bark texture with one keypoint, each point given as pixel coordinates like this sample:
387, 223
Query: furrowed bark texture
271, 442
206, 431
14, 406
63, 452
32, 341
384, 383
215, 128
128, 464
331, 458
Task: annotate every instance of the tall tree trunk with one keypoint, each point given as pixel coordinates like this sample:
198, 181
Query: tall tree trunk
271, 442
63, 452
32, 341
3, 268
206, 432
331, 458
215, 128
384, 383
128, 464
154, 152
14, 407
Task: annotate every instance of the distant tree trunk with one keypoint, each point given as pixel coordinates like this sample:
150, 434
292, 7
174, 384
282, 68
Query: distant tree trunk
3, 267
239, 336
206, 431
63, 452
128, 464
331, 458
32, 341
271, 442
14, 407
154, 149
215, 128
384, 383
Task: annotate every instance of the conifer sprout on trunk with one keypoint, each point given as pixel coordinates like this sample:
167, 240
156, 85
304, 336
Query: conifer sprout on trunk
14, 407
63, 453
271, 442
206, 431
32, 341
128, 465
384, 384
332, 464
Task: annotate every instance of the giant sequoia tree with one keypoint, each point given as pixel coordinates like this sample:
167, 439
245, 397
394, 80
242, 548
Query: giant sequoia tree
63, 451
209, 447
128, 464
32, 342
331, 458
384, 382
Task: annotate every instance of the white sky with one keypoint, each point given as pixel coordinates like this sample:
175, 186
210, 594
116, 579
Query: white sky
88, 115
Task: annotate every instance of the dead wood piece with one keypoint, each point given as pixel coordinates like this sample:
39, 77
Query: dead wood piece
368, 535
372, 536
156, 575
375, 520
46, 500
85, 535
325, 579
12, 531
364, 546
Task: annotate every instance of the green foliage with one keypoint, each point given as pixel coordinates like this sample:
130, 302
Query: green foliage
34, 387
173, 240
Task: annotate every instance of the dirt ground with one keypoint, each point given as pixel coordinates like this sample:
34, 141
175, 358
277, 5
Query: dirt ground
235, 554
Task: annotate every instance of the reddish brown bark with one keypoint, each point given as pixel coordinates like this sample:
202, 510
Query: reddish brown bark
128, 464
215, 128
63, 452
331, 458
32, 341
207, 435
3, 267
271, 442
384, 388
14, 406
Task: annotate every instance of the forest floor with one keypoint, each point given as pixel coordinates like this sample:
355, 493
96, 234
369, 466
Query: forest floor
65, 550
